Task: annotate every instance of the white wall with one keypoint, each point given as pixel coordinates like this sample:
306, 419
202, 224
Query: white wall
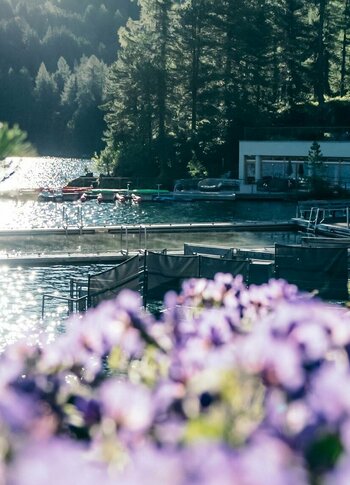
329, 149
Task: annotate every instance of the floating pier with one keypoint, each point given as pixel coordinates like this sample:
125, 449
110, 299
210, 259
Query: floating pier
156, 228
32, 257
63, 259
326, 218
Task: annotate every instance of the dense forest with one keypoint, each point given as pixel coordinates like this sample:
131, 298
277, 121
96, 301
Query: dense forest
178, 87
54, 58
192, 75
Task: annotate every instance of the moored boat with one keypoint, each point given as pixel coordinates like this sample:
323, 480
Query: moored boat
211, 189
67, 189
119, 198
50, 196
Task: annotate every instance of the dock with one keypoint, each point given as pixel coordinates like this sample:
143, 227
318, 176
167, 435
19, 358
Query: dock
63, 259
324, 218
333, 234
155, 228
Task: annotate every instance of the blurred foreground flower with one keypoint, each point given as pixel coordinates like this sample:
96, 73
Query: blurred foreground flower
232, 385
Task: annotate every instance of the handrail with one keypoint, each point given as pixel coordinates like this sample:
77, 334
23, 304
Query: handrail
79, 218
142, 226
68, 299
126, 252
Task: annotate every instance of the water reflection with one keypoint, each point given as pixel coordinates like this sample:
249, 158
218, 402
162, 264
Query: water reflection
21, 289
49, 172
27, 214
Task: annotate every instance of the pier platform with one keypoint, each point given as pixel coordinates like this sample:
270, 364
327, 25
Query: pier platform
112, 258
155, 228
63, 259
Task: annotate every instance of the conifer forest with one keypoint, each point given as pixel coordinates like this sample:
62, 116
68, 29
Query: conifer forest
168, 87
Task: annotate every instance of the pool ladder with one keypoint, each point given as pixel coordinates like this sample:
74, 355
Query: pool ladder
315, 218
124, 239
70, 220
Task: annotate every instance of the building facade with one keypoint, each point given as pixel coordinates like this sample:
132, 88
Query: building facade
289, 159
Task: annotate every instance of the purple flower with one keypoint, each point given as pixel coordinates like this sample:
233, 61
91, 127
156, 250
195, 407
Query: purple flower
329, 394
277, 361
341, 473
214, 327
268, 460
209, 464
59, 461
150, 466
128, 405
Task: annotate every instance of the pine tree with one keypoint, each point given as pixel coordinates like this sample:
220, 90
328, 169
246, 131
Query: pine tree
315, 159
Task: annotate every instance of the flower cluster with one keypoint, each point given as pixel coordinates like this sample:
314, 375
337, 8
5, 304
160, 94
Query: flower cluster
230, 385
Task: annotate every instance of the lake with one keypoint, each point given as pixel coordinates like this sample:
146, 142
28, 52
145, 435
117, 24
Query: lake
21, 289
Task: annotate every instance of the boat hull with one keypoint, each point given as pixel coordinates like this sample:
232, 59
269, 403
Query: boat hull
205, 196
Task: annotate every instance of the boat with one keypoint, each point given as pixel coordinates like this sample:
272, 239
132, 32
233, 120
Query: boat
83, 197
135, 199
67, 189
50, 196
211, 189
124, 195
119, 198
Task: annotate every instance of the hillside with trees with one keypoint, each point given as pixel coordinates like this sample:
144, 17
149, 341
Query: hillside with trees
54, 57
180, 83
191, 75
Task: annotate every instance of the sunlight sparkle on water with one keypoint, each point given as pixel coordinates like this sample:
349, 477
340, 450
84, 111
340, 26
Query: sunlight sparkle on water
21, 289
19, 303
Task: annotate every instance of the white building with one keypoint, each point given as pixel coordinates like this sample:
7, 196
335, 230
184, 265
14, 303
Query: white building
258, 159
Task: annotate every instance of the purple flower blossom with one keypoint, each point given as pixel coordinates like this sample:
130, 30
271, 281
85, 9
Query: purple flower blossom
329, 394
268, 460
128, 405
179, 383
151, 466
277, 361
61, 462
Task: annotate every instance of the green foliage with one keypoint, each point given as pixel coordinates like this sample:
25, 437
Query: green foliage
191, 74
315, 159
13, 142
196, 168
316, 168
105, 161
315, 154
53, 58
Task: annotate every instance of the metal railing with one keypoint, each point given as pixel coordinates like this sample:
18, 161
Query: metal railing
316, 212
142, 239
72, 220
74, 305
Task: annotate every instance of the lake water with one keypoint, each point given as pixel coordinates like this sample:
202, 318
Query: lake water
21, 289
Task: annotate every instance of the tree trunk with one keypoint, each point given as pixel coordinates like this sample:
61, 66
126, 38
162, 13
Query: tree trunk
342, 89
162, 88
321, 74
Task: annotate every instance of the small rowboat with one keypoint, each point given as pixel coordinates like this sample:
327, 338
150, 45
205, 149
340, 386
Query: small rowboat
119, 198
68, 189
135, 198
